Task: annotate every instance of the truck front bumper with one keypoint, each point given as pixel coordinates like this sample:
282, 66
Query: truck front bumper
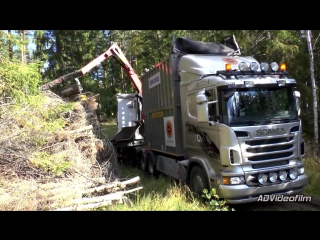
238, 194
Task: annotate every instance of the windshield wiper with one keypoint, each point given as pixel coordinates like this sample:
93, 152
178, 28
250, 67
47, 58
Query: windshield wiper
248, 122
282, 120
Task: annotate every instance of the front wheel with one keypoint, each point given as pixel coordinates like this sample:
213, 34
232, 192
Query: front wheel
198, 181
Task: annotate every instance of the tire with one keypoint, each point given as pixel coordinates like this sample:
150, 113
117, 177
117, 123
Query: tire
142, 163
132, 154
198, 181
152, 164
135, 161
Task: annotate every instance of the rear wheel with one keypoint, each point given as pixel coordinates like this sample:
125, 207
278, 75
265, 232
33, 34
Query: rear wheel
198, 181
142, 163
152, 164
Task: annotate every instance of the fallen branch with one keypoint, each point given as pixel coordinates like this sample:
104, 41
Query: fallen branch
98, 201
113, 185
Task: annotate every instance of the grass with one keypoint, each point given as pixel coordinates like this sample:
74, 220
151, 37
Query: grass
161, 194
312, 169
110, 128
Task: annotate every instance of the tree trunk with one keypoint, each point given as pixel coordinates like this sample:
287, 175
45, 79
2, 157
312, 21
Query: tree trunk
314, 93
10, 45
23, 46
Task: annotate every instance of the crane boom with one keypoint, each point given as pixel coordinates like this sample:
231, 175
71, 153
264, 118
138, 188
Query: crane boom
113, 51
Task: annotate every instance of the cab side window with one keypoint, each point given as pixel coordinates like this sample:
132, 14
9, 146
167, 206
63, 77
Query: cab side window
212, 108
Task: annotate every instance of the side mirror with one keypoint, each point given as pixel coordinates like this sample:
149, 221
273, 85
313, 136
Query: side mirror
296, 95
298, 106
202, 107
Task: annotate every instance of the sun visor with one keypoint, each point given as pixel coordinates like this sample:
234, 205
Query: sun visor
188, 46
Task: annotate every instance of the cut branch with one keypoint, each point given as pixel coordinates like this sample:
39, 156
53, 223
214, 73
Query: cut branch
98, 201
113, 185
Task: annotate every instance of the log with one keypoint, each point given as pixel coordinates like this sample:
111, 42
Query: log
68, 92
98, 201
81, 129
61, 79
111, 196
90, 115
113, 185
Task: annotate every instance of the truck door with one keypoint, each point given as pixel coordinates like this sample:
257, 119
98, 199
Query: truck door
213, 130
201, 138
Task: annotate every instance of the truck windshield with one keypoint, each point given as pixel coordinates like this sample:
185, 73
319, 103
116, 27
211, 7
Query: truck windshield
258, 106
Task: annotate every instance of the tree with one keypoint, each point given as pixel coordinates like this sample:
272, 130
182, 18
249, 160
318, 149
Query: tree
314, 92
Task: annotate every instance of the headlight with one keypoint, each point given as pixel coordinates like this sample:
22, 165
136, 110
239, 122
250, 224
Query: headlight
243, 66
274, 66
254, 66
236, 180
273, 177
264, 66
293, 173
233, 180
283, 175
262, 178
248, 83
301, 170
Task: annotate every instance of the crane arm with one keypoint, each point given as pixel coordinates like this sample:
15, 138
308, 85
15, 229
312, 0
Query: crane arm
113, 51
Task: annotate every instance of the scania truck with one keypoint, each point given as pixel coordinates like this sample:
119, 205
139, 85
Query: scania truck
216, 119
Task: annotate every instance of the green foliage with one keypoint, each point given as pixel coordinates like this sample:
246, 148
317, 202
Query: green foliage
36, 114
37, 119
53, 118
19, 80
56, 163
215, 204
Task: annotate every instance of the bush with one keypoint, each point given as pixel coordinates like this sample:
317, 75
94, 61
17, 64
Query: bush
215, 204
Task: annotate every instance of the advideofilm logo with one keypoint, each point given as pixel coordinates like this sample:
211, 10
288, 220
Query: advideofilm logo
283, 198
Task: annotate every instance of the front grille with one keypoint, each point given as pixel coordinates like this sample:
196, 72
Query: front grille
270, 164
269, 149
269, 141
270, 156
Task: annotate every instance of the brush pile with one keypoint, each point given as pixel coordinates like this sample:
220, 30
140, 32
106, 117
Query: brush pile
44, 166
